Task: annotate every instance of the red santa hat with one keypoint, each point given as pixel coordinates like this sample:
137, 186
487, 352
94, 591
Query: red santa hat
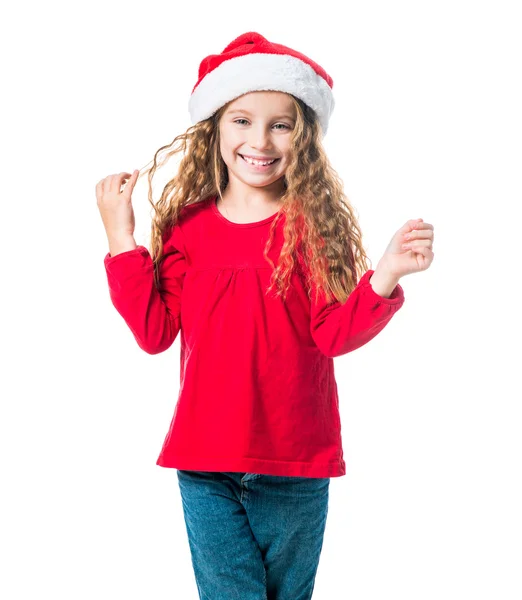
251, 63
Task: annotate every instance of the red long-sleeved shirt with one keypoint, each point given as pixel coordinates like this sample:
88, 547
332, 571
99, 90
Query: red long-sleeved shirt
257, 386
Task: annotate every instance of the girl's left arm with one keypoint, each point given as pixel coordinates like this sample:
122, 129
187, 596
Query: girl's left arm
340, 328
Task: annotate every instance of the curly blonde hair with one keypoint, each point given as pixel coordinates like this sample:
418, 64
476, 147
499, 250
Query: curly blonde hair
321, 230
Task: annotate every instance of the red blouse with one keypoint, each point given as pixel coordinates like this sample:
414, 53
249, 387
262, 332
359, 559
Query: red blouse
257, 386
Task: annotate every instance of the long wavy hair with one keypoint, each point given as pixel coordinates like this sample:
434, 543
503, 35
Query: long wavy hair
321, 230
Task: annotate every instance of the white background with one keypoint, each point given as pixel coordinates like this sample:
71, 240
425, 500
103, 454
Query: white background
427, 124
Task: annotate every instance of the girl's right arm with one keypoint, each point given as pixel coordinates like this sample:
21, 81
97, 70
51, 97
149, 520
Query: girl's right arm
152, 315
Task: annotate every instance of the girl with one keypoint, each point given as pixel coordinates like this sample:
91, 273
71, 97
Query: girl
256, 261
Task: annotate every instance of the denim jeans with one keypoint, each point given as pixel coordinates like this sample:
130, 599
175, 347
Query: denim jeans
252, 536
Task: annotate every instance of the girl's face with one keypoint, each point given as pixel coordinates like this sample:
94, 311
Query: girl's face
256, 128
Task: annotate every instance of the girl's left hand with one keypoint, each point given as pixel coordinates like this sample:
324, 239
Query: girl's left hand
410, 249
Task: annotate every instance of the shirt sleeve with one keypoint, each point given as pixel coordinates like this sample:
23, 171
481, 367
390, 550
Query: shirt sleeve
152, 314
340, 328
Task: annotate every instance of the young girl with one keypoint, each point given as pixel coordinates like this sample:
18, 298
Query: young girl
257, 261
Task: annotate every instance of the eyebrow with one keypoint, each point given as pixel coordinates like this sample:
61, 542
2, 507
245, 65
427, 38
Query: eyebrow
246, 112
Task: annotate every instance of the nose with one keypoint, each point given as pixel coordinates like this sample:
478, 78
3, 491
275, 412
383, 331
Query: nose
259, 138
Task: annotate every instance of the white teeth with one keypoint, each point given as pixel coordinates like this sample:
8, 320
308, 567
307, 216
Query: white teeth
258, 162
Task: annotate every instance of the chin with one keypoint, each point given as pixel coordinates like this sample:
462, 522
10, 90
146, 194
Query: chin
257, 183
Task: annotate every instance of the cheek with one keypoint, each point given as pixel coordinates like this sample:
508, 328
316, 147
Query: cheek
286, 150
287, 157
230, 140
227, 150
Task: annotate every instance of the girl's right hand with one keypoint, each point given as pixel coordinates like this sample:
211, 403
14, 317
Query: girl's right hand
115, 206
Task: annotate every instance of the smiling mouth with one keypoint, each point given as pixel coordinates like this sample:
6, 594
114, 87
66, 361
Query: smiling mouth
259, 163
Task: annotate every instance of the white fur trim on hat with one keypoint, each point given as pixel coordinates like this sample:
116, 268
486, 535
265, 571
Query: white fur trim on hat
257, 72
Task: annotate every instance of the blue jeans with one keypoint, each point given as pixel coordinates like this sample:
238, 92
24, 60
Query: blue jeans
254, 537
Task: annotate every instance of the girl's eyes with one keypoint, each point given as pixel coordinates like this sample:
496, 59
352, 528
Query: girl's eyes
244, 120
